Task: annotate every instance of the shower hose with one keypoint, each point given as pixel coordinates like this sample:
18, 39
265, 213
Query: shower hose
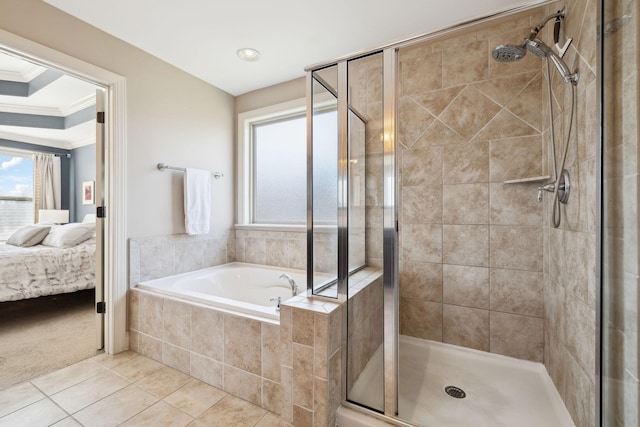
556, 212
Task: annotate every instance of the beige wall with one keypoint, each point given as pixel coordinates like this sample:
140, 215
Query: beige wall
276, 94
172, 117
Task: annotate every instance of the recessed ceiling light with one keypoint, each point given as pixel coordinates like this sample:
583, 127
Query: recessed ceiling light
248, 54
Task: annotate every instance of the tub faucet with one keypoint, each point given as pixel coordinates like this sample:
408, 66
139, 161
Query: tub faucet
292, 283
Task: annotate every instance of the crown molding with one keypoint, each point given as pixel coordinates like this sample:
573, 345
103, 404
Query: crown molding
72, 145
66, 111
26, 109
81, 104
22, 76
63, 145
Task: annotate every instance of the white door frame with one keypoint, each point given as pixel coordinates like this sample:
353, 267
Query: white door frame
115, 191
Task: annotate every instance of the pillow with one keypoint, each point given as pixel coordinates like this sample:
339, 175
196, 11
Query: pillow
29, 236
69, 235
89, 218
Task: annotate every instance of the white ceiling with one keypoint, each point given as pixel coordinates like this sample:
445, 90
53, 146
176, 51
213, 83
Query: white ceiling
17, 70
201, 37
60, 98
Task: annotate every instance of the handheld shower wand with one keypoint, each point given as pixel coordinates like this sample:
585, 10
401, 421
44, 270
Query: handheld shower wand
512, 53
541, 50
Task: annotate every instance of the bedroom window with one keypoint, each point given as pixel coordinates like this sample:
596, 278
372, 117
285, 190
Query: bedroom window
16, 192
272, 158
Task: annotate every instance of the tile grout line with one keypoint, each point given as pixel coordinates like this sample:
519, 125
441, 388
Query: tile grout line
45, 396
141, 411
180, 388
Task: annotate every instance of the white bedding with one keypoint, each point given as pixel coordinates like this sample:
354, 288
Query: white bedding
44, 270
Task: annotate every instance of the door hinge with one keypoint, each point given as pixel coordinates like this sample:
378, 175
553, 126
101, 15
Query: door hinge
101, 307
100, 117
101, 211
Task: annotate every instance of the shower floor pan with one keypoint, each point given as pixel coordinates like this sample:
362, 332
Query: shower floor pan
500, 391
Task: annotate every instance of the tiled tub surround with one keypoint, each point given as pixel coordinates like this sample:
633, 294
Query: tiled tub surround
293, 368
267, 247
268, 364
471, 246
288, 249
154, 257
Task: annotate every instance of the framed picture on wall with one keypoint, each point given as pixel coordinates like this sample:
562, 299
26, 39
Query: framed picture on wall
87, 192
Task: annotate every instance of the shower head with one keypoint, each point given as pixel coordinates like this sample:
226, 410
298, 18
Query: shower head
538, 48
541, 50
508, 53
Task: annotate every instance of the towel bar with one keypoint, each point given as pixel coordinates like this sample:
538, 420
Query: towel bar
163, 166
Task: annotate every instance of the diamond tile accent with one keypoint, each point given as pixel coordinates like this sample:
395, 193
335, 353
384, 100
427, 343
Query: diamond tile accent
505, 125
503, 90
435, 102
527, 104
469, 112
414, 121
438, 134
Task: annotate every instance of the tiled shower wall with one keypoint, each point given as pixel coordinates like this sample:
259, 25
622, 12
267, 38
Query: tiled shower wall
471, 246
570, 250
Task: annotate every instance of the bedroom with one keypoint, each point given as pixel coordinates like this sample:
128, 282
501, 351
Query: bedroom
47, 271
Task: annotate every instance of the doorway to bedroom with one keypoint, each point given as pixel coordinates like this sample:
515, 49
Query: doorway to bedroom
50, 250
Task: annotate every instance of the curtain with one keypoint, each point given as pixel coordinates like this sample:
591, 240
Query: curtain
46, 182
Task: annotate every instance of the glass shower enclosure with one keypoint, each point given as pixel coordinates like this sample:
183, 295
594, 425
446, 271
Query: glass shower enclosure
354, 167
352, 225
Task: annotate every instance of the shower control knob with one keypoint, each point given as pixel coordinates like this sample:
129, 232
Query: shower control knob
549, 187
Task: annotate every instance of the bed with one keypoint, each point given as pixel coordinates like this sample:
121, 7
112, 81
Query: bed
39, 270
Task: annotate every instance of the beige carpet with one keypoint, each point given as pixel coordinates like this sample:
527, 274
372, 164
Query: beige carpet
42, 335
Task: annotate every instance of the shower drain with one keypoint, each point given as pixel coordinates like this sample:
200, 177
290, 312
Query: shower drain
456, 392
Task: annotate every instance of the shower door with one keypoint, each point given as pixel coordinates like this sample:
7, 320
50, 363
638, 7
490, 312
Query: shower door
322, 190
620, 264
352, 234
365, 372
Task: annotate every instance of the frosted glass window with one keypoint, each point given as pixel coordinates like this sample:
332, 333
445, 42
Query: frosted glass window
280, 172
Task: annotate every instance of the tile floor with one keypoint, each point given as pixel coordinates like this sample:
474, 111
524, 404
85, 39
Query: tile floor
125, 390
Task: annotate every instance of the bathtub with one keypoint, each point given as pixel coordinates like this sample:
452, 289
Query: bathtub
237, 287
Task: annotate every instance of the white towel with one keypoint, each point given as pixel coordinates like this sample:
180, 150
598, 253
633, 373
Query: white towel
197, 201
